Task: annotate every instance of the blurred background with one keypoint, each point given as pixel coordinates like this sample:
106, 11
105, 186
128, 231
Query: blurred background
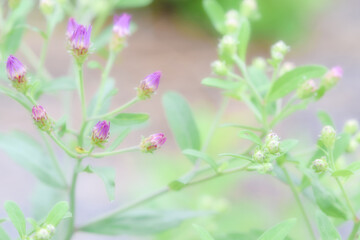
176, 37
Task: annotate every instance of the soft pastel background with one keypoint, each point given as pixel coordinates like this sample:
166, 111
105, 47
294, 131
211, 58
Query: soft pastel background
176, 38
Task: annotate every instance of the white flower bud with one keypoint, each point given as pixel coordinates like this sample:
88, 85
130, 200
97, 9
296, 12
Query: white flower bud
249, 8
227, 46
351, 126
320, 165
232, 21
279, 50
328, 136
219, 68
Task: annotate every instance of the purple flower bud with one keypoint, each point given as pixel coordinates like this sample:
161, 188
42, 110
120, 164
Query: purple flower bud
332, 77
15, 69
79, 39
100, 133
152, 143
41, 119
71, 27
307, 89
149, 85
122, 25
39, 113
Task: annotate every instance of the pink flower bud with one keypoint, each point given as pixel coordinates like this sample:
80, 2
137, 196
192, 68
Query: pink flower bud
100, 133
15, 69
79, 40
149, 85
332, 77
152, 143
122, 25
41, 118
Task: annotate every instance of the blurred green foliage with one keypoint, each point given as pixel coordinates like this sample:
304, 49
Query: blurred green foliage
280, 19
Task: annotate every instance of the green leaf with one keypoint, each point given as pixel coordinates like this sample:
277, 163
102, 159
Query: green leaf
279, 231
17, 217
129, 119
57, 213
201, 155
107, 175
119, 139
54, 86
31, 157
288, 144
326, 228
259, 79
328, 203
132, 3
342, 173
325, 119
250, 136
181, 121
244, 37
220, 83
139, 222
109, 92
176, 185
4, 235
341, 145
292, 79
216, 14
354, 166
204, 235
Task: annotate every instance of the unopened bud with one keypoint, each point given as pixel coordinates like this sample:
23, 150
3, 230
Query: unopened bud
259, 156
271, 137
121, 30
259, 63
149, 85
332, 77
100, 133
307, 89
16, 72
351, 126
279, 50
152, 143
249, 8
220, 68
227, 47
286, 67
320, 165
41, 119
47, 6
273, 146
42, 234
265, 168
232, 22
353, 145
328, 136
78, 37
51, 229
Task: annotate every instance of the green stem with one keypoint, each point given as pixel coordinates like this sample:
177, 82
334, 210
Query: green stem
103, 154
344, 194
61, 145
298, 201
220, 113
116, 111
104, 78
354, 231
42, 58
72, 199
161, 192
82, 92
54, 159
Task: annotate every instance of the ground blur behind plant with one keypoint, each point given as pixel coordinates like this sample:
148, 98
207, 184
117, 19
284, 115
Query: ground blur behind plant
153, 45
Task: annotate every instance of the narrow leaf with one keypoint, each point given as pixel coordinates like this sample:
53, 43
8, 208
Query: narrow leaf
107, 175
250, 136
129, 119
244, 37
4, 235
325, 119
181, 121
201, 155
279, 231
216, 14
57, 213
17, 217
220, 83
326, 228
292, 79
